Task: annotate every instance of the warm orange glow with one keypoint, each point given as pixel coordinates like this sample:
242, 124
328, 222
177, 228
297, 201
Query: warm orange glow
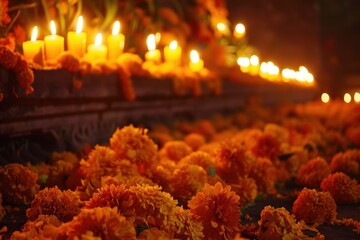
325, 98
347, 98
79, 25
240, 28
303, 69
243, 62
221, 27
194, 56
264, 67
116, 28
157, 38
53, 27
98, 39
34, 34
151, 42
357, 97
173, 45
254, 60
288, 74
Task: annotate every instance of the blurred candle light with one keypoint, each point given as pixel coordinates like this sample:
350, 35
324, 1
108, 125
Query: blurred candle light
325, 98
196, 64
153, 54
76, 41
34, 49
254, 65
347, 98
172, 53
115, 42
239, 31
222, 29
264, 70
357, 97
287, 74
97, 51
244, 64
54, 44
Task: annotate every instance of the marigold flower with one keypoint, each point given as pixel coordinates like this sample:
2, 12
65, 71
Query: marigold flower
52, 201
246, 189
312, 173
162, 173
200, 158
232, 161
314, 207
264, 174
98, 223
218, 210
205, 128
342, 188
266, 146
278, 223
175, 150
4, 17
8, 58
347, 163
69, 62
133, 144
187, 180
154, 234
194, 140
18, 184
279, 132
2, 210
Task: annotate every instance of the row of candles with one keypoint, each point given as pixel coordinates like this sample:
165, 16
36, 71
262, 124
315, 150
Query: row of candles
53, 45
268, 70
325, 97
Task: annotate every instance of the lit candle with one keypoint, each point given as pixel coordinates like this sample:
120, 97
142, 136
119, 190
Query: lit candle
54, 44
347, 98
97, 51
273, 71
115, 42
222, 29
254, 65
172, 53
239, 31
288, 74
34, 49
264, 70
357, 97
244, 64
325, 98
76, 41
196, 64
153, 54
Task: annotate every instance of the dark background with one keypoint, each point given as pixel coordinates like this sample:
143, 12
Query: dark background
323, 35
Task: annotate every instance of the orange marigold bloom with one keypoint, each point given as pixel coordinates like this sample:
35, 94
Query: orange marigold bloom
133, 144
185, 226
312, 173
278, 223
175, 150
314, 207
8, 58
187, 180
202, 159
205, 128
232, 161
24, 75
98, 223
52, 201
342, 188
194, 140
154, 234
266, 146
347, 163
246, 189
218, 210
69, 62
264, 173
18, 184
4, 17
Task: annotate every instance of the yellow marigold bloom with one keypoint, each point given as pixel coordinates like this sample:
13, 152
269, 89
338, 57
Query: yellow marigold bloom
18, 184
314, 207
52, 201
278, 223
348, 163
175, 150
342, 188
202, 159
187, 180
218, 210
194, 140
98, 223
185, 226
232, 161
134, 144
264, 173
162, 173
312, 173
246, 189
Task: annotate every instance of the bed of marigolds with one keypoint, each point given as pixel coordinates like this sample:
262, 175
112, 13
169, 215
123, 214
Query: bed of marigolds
193, 179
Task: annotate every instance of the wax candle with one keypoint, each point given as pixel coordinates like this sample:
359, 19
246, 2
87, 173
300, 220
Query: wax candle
172, 53
153, 54
222, 29
347, 98
34, 49
97, 51
115, 42
357, 97
254, 65
54, 44
196, 64
244, 64
239, 31
325, 98
76, 41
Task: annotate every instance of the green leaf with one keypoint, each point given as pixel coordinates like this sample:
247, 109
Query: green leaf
111, 7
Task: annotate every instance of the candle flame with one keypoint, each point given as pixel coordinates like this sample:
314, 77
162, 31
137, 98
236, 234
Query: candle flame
264, 67
243, 61
34, 34
325, 98
194, 56
288, 74
347, 98
303, 69
52, 27
240, 28
80, 24
151, 42
173, 45
116, 28
98, 39
357, 97
254, 60
221, 27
